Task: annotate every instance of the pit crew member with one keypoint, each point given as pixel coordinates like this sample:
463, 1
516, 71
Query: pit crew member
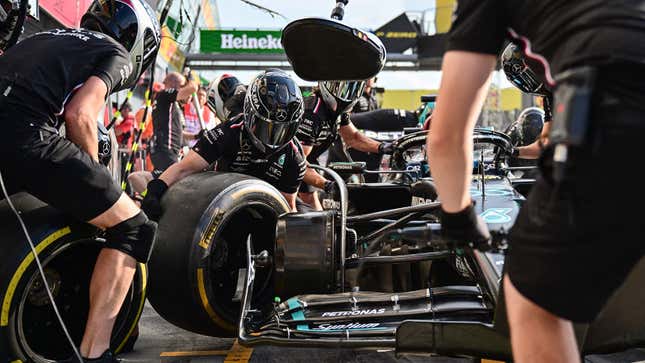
558, 269
260, 142
226, 97
64, 76
326, 116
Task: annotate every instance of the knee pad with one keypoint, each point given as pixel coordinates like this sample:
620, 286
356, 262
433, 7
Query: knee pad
135, 237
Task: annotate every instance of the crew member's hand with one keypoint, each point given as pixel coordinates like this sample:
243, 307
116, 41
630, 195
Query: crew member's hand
330, 187
515, 153
386, 148
464, 228
151, 204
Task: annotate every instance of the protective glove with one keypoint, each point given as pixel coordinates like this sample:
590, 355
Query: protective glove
464, 228
330, 187
386, 148
515, 153
151, 204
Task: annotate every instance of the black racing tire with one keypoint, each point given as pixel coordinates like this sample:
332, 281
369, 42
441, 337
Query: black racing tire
201, 248
29, 330
12, 28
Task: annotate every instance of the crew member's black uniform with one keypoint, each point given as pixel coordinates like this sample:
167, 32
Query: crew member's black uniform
571, 246
367, 102
168, 122
229, 146
319, 128
37, 78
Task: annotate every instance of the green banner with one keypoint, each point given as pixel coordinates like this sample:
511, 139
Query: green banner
240, 41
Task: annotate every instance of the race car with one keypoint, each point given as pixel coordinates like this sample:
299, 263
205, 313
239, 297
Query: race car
382, 279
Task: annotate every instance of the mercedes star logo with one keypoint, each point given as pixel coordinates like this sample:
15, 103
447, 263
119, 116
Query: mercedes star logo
281, 115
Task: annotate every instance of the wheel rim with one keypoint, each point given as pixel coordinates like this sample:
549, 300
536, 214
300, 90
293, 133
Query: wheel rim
69, 270
228, 257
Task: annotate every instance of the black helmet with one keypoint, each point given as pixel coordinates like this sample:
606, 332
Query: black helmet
528, 126
522, 73
341, 96
219, 91
273, 108
133, 24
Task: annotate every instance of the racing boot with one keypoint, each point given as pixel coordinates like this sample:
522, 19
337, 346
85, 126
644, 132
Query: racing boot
106, 357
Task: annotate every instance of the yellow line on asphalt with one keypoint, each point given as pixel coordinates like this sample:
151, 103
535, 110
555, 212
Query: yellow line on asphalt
238, 354
195, 353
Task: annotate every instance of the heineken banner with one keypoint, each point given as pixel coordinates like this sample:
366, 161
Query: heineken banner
240, 41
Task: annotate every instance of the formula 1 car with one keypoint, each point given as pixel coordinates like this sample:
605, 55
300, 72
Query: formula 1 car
231, 260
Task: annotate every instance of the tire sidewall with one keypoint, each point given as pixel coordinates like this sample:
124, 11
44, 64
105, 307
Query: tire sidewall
56, 240
224, 207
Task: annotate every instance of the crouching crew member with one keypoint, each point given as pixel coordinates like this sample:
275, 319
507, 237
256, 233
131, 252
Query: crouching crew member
260, 142
64, 76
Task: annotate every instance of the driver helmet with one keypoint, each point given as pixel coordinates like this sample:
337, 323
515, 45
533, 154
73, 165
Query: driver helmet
528, 126
341, 96
522, 73
133, 24
219, 91
273, 109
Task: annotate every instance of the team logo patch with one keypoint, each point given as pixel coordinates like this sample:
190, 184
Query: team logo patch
281, 160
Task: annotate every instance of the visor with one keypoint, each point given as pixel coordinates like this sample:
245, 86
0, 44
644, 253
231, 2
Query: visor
347, 91
117, 20
272, 134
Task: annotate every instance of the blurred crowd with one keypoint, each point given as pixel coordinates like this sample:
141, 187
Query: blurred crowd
179, 111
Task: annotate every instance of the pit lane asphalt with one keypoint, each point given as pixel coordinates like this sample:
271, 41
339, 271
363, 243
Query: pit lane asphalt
160, 341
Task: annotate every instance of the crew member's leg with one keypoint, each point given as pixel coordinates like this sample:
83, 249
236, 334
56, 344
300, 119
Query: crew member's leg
537, 335
572, 246
110, 283
77, 185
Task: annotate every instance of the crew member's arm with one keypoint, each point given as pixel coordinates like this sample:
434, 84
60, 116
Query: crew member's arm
464, 85
81, 114
208, 149
312, 177
292, 176
187, 90
534, 150
191, 164
189, 136
291, 200
357, 140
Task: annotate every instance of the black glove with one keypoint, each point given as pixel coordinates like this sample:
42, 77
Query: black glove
515, 153
151, 204
386, 148
330, 187
464, 228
